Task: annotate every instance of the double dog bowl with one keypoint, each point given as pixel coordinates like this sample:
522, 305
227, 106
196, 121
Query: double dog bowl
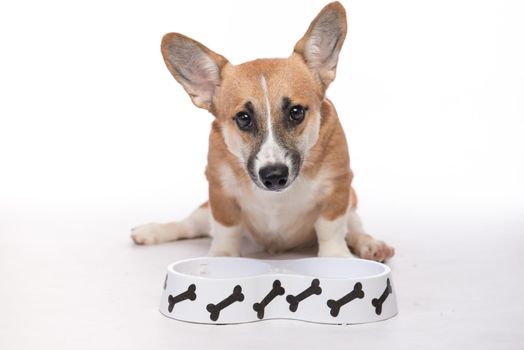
236, 290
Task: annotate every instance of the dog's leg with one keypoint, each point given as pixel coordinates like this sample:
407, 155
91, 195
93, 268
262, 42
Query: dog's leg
195, 225
226, 239
331, 225
363, 244
226, 225
331, 236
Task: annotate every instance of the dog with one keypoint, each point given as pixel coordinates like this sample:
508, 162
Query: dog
278, 162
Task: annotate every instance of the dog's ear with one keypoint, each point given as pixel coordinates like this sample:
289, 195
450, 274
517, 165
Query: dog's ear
194, 66
322, 42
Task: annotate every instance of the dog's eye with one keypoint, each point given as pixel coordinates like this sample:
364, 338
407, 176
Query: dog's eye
244, 121
296, 113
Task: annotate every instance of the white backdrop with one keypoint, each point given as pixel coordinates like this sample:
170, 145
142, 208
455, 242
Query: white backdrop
94, 130
430, 95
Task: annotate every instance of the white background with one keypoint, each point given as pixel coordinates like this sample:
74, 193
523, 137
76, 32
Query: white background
96, 137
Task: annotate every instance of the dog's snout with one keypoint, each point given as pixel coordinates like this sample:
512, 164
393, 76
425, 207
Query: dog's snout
274, 176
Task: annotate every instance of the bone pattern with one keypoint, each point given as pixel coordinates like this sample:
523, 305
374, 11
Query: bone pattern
189, 294
273, 293
335, 305
294, 300
277, 289
214, 310
377, 303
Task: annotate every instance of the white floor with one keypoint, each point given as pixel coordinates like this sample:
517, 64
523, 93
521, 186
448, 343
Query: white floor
71, 279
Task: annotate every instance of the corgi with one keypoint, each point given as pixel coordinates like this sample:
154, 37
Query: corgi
278, 163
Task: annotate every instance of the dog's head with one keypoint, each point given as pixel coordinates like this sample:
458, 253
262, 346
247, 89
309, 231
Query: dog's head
268, 109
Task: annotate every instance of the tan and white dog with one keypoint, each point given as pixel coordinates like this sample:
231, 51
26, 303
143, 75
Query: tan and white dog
278, 162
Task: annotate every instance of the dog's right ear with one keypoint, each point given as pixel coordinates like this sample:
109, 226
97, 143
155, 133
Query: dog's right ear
195, 67
322, 42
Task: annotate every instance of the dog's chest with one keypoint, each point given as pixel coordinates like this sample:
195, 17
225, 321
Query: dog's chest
282, 220
279, 220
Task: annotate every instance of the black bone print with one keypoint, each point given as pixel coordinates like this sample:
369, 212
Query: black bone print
294, 300
335, 305
188, 294
377, 303
273, 293
214, 310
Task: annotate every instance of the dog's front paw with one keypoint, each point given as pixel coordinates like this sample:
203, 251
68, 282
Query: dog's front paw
373, 249
223, 252
339, 251
335, 255
149, 234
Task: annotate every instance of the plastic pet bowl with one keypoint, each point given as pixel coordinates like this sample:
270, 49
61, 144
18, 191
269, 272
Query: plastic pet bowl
236, 290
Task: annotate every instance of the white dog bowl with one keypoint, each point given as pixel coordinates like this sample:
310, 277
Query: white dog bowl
235, 290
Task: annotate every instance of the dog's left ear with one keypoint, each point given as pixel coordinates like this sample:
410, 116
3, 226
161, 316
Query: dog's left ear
195, 67
322, 42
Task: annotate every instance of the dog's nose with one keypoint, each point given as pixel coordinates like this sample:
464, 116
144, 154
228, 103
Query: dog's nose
274, 176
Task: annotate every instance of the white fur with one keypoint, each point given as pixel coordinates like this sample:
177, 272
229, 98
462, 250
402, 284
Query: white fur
331, 235
234, 143
226, 240
281, 220
195, 225
354, 222
270, 152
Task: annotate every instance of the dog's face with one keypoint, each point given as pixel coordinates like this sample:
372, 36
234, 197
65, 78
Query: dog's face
269, 113
269, 109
